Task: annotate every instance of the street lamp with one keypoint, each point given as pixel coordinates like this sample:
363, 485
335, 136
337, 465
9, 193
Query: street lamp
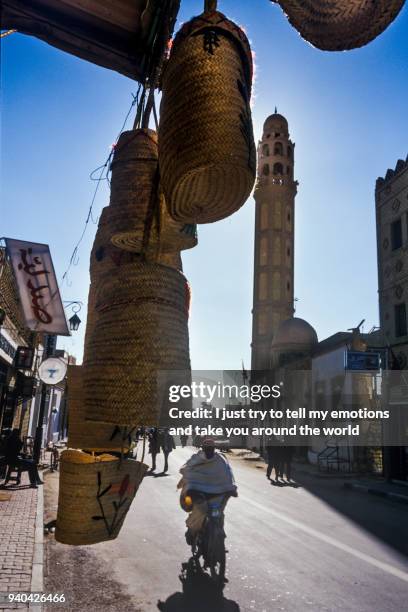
74, 322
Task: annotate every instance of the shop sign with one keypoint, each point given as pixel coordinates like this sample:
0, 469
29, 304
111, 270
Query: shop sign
37, 287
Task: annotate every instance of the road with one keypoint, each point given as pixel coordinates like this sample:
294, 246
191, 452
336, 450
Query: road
312, 547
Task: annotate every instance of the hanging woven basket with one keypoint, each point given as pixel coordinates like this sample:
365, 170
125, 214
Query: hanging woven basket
337, 25
95, 494
83, 434
137, 219
206, 145
172, 260
142, 329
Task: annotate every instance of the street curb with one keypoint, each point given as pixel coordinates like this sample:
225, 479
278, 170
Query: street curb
37, 575
379, 492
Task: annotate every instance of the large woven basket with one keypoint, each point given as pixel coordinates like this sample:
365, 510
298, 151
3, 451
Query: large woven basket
142, 329
83, 434
137, 219
95, 494
206, 146
337, 25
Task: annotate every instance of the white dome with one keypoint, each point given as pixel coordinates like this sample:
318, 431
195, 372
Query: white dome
294, 335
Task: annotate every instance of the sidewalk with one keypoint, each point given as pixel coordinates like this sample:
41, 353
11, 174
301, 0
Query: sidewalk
21, 546
374, 485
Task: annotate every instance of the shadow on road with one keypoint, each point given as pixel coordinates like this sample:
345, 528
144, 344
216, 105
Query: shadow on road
376, 516
199, 594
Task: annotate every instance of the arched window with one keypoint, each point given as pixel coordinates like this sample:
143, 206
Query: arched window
265, 150
276, 246
265, 170
264, 216
276, 286
290, 152
263, 251
262, 323
278, 148
277, 215
263, 286
277, 169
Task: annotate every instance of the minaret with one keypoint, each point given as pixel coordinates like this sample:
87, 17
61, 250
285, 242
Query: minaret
274, 195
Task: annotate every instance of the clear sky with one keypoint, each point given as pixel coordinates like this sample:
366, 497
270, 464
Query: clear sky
347, 113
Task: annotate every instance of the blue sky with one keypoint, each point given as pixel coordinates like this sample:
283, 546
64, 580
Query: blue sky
347, 115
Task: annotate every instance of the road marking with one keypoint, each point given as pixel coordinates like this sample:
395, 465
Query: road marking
386, 567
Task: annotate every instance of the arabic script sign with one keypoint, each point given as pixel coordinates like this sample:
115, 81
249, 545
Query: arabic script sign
37, 286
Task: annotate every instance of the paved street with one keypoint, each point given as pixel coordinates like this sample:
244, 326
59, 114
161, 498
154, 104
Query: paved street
292, 549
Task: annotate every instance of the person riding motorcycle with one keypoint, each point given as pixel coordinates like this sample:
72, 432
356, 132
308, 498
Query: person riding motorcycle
206, 475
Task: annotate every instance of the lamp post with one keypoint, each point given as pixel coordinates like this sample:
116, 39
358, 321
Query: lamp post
74, 323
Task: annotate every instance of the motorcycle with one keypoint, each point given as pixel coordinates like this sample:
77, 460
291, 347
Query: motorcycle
208, 546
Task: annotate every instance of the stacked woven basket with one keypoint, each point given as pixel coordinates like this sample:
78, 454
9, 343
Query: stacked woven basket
200, 169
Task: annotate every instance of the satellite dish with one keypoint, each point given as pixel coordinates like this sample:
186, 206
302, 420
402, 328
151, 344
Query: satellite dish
52, 370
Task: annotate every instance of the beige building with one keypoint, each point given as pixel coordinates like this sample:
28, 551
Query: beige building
391, 197
274, 195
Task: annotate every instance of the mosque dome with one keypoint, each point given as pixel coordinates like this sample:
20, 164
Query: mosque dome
294, 335
276, 122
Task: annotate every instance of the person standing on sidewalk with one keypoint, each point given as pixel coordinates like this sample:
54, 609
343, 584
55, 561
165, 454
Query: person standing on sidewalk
12, 449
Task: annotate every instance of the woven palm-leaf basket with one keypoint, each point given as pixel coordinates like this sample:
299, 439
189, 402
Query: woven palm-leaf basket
83, 434
337, 25
95, 494
172, 260
142, 329
206, 145
137, 219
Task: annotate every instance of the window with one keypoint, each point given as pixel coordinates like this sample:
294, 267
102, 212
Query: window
265, 150
288, 170
396, 234
277, 168
262, 323
276, 245
278, 149
288, 286
290, 152
288, 251
263, 286
277, 215
276, 286
264, 216
400, 312
263, 252
265, 170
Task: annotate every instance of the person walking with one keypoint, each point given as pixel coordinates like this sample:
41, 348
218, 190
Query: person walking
154, 446
166, 444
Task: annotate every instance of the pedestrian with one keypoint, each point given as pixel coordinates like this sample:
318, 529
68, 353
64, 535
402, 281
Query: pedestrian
13, 460
274, 456
183, 440
166, 444
287, 457
154, 446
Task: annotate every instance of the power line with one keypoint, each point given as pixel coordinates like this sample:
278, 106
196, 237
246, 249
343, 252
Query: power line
104, 169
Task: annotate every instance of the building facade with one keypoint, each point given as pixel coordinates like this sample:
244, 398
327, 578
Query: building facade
274, 195
391, 203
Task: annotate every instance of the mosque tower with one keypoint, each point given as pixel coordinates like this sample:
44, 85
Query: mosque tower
275, 192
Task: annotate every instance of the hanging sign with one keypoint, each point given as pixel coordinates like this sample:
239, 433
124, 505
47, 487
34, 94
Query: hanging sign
52, 370
37, 287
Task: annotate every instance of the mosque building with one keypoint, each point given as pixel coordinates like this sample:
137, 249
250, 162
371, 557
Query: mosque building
274, 328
